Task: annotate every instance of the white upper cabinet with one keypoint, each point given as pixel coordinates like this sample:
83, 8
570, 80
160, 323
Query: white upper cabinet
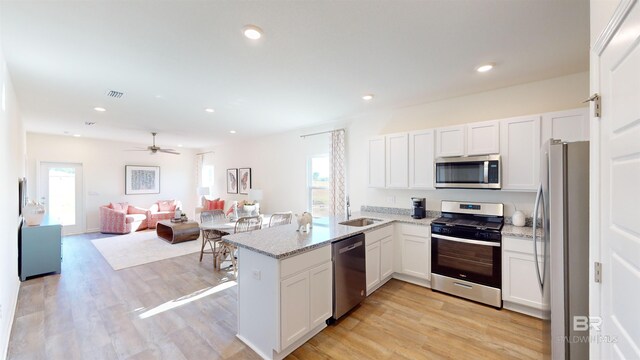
483, 138
421, 156
450, 141
377, 162
520, 153
570, 125
397, 160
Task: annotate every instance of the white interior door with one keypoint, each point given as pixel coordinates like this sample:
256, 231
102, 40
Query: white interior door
60, 191
617, 233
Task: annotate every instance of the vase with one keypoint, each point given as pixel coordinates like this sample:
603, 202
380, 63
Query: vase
518, 218
33, 213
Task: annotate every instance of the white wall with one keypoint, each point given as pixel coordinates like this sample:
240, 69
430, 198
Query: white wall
278, 167
278, 161
104, 166
12, 158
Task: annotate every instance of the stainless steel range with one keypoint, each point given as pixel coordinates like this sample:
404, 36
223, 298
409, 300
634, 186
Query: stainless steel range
466, 251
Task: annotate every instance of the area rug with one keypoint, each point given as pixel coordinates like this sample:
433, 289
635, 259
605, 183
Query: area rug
142, 247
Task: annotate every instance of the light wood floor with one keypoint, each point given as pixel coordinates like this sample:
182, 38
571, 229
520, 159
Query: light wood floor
169, 310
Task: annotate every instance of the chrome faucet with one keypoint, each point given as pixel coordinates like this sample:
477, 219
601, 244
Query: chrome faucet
348, 208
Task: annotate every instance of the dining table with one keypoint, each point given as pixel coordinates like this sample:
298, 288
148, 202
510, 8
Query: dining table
225, 227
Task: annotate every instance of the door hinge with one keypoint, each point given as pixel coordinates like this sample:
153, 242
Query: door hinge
596, 104
597, 272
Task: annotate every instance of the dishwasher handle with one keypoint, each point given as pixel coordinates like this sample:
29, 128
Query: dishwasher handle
350, 247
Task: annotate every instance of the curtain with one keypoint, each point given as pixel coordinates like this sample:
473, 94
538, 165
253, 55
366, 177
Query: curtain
199, 163
337, 182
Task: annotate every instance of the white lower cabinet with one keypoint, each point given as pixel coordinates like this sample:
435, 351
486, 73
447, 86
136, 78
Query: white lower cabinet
295, 297
415, 244
372, 260
520, 287
320, 301
306, 288
378, 257
386, 257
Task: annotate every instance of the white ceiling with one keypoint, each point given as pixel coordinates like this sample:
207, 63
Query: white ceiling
315, 61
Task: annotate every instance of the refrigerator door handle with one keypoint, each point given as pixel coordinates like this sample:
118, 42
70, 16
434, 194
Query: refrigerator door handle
535, 237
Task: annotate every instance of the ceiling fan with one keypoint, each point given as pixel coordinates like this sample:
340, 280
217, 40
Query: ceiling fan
154, 149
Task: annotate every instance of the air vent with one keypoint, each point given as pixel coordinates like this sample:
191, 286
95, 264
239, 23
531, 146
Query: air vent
115, 94
89, 123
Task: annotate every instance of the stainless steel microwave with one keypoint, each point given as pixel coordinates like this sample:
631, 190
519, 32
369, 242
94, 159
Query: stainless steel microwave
468, 172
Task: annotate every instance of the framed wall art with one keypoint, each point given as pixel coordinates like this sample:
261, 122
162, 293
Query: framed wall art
244, 180
142, 179
232, 181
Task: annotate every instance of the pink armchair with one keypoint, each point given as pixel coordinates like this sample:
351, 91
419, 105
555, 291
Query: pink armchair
162, 210
121, 218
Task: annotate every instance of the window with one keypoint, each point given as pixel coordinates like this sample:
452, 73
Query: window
318, 185
207, 176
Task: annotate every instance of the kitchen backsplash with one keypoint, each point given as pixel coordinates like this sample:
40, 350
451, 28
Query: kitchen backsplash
430, 213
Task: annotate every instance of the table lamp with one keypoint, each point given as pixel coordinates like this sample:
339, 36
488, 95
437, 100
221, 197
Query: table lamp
256, 195
203, 191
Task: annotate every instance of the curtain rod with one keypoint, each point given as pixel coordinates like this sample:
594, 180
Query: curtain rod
206, 152
320, 133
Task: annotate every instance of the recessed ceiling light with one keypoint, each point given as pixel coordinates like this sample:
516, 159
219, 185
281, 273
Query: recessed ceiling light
252, 32
210, 110
484, 68
232, 131
367, 97
76, 135
179, 145
99, 109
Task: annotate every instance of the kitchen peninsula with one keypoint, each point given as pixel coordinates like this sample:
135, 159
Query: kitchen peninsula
285, 283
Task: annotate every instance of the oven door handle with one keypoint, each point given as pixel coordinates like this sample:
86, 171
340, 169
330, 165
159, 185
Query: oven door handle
466, 241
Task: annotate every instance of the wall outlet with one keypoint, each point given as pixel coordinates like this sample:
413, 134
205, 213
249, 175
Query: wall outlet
391, 199
256, 274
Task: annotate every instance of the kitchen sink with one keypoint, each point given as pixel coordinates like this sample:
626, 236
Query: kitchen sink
360, 222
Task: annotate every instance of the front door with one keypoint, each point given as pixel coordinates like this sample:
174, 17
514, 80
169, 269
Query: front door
616, 233
60, 191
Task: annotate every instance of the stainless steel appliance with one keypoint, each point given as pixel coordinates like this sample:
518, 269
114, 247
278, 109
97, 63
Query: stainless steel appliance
466, 251
349, 274
468, 172
418, 211
562, 202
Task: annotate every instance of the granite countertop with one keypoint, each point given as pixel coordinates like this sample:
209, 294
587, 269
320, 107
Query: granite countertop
519, 231
284, 241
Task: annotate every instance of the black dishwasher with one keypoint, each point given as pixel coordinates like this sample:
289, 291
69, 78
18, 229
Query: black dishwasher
349, 274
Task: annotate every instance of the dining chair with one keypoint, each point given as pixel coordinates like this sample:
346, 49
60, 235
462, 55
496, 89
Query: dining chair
243, 224
210, 236
280, 218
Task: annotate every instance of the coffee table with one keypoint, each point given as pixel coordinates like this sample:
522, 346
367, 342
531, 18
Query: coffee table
178, 232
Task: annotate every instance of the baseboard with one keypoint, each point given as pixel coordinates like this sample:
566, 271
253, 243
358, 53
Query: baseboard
537, 313
92, 230
413, 280
11, 316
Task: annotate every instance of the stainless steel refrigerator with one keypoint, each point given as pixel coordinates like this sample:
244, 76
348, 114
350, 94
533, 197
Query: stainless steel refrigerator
562, 205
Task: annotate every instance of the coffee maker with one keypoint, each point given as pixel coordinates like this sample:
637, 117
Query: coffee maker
418, 211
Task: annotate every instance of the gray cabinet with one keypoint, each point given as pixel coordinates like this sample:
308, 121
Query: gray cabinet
40, 249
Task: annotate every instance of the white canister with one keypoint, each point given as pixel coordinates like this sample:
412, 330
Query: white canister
518, 218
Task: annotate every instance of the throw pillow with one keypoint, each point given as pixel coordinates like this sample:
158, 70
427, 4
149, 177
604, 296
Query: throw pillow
166, 205
120, 207
208, 204
219, 205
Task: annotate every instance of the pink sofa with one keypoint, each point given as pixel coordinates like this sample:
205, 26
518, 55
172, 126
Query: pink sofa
122, 218
162, 210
